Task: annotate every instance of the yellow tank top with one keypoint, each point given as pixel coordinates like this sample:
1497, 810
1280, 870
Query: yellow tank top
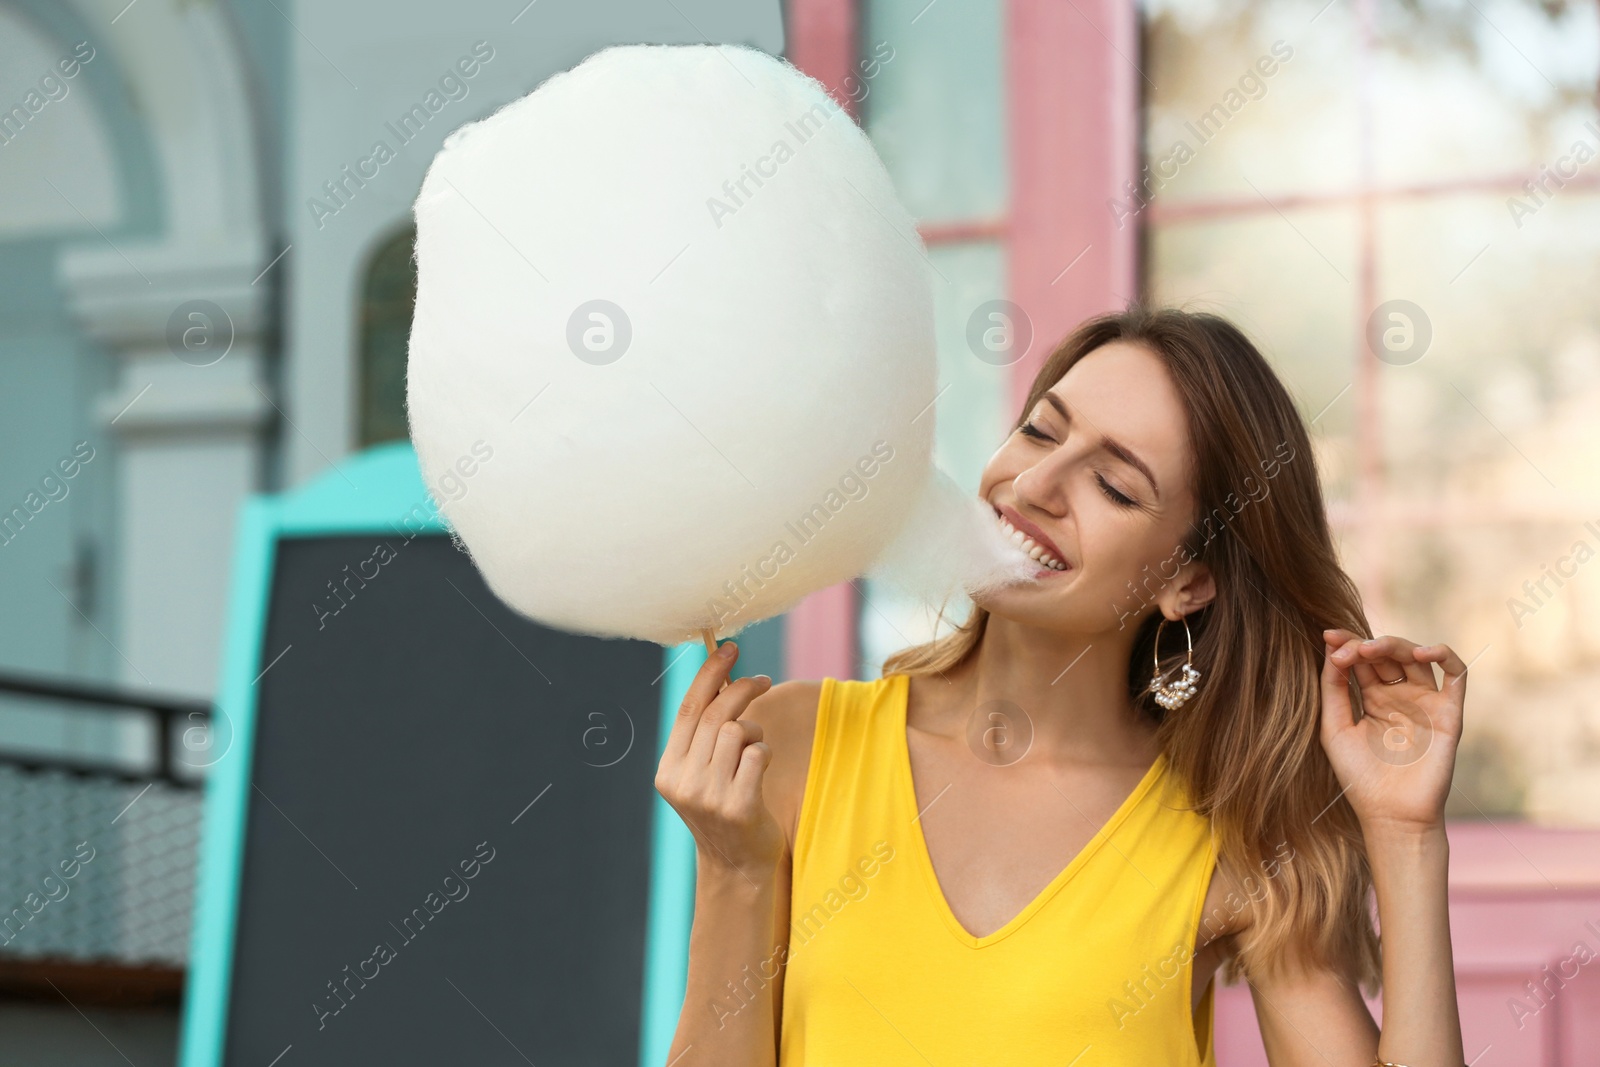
1093, 972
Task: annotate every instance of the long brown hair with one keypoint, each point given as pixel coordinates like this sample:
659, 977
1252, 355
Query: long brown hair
1247, 744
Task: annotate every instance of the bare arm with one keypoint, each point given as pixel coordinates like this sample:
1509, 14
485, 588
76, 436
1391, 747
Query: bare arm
1320, 1019
1315, 1019
1421, 1023
715, 774
729, 1008
1395, 764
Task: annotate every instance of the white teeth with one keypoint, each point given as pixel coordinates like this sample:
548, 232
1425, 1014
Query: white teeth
1030, 546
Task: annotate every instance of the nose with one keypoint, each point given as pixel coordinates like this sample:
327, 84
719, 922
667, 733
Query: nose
1042, 487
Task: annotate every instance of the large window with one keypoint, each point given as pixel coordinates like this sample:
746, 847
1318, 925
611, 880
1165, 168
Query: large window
934, 111
1400, 202
388, 299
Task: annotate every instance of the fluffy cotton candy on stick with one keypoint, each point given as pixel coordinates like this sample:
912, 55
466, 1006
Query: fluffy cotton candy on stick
673, 295
950, 544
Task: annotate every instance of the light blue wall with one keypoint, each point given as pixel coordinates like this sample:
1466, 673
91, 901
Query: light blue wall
936, 110
54, 378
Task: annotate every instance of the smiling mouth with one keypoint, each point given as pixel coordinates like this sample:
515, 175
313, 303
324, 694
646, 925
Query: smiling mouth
1027, 544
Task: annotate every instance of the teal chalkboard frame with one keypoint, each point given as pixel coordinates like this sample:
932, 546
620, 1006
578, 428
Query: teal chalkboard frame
377, 490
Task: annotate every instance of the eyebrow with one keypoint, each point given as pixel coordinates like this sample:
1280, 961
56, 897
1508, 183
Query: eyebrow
1110, 444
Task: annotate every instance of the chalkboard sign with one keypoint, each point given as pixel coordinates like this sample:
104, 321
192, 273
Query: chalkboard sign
431, 832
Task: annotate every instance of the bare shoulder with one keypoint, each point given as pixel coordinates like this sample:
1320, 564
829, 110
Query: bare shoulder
1227, 911
1237, 886
787, 715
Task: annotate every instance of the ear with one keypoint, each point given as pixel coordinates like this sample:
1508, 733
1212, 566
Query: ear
1191, 590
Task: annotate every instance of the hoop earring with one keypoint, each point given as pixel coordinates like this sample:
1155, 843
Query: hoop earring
1174, 695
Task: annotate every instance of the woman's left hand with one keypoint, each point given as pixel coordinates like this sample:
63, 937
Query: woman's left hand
1396, 762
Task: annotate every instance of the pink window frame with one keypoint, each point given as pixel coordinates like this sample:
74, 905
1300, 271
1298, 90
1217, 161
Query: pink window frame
1072, 114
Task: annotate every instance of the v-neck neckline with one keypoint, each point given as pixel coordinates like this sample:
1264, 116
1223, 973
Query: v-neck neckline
907, 791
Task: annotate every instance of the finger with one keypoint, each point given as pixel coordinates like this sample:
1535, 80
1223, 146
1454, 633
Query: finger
727, 706
1455, 671
701, 692
1337, 714
732, 737
1398, 652
753, 764
1348, 656
1367, 676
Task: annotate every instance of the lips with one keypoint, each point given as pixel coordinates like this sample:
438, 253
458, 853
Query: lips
1031, 539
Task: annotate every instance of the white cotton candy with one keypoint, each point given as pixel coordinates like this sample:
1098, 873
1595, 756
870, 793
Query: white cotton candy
951, 544
746, 420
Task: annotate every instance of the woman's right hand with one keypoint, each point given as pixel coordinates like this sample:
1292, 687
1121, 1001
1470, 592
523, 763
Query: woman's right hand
712, 767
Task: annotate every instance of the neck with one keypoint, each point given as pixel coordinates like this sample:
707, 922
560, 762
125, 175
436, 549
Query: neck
1072, 688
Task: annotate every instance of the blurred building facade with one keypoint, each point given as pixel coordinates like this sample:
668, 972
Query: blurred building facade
206, 229
204, 238
1400, 203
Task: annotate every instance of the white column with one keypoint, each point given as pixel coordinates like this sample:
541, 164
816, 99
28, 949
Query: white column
188, 431
188, 415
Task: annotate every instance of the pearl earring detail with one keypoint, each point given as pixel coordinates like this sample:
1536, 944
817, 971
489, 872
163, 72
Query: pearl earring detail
1175, 694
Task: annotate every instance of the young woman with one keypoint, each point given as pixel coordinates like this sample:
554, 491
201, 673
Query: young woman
1036, 839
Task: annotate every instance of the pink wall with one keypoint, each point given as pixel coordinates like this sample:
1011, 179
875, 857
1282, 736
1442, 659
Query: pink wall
1522, 899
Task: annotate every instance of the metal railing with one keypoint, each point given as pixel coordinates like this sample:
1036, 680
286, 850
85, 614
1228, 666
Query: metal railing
97, 856
164, 710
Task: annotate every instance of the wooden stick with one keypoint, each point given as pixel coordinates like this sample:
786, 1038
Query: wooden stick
711, 649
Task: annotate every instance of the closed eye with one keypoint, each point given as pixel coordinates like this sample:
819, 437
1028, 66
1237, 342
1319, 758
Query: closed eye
1028, 429
1115, 497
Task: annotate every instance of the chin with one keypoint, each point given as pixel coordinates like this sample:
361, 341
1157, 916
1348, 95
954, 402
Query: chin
1061, 604
1030, 600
